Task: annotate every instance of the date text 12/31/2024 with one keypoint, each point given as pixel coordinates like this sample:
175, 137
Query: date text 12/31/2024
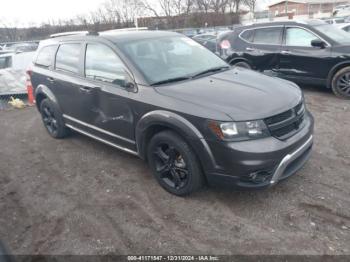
173, 258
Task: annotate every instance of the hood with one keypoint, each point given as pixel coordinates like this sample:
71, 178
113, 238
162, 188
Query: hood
240, 93
344, 50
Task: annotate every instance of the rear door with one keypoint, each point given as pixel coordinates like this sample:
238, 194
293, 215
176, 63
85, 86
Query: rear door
263, 46
301, 61
76, 101
43, 72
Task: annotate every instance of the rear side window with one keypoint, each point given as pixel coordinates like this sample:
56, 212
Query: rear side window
269, 36
102, 64
46, 55
67, 58
248, 35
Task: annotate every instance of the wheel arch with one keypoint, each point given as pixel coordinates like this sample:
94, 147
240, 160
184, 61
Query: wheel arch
334, 70
42, 92
237, 59
159, 120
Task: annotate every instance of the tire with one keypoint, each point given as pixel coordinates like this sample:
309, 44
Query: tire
243, 65
174, 164
52, 119
341, 83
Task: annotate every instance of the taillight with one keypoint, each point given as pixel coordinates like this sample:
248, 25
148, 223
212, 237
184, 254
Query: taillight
29, 73
225, 44
29, 86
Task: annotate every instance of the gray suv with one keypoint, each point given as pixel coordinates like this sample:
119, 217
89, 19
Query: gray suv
167, 99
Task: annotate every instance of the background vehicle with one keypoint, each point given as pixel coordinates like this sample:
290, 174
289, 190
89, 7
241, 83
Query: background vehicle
207, 40
12, 72
19, 47
211, 40
309, 52
332, 21
345, 27
169, 100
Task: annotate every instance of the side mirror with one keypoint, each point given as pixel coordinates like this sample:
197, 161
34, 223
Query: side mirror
130, 86
318, 43
129, 83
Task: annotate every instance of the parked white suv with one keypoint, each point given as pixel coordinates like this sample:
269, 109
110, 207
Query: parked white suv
12, 72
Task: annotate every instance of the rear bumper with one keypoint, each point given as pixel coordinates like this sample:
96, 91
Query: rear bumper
260, 163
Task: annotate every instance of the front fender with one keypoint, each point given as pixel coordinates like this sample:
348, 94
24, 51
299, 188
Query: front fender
181, 126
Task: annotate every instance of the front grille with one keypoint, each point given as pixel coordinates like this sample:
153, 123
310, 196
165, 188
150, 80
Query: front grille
288, 123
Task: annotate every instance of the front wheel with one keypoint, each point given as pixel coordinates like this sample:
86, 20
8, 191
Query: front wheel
174, 164
341, 83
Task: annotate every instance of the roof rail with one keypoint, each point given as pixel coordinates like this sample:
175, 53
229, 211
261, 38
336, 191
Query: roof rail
126, 29
69, 33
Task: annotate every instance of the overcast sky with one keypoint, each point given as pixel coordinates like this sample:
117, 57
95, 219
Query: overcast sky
28, 12
25, 12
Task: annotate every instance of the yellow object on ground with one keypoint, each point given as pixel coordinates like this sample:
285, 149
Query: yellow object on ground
17, 103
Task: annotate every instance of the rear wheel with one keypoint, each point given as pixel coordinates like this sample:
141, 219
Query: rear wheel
341, 83
174, 164
52, 119
242, 64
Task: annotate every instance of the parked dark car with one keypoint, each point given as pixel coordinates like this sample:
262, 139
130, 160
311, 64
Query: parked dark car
345, 27
208, 40
310, 52
167, 99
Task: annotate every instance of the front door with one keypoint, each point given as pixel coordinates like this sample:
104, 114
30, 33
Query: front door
111, 114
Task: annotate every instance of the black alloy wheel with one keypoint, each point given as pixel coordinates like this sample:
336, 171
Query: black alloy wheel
341, 83
174, 164
171, 166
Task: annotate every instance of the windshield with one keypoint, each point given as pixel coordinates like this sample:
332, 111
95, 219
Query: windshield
166, 58
338, 35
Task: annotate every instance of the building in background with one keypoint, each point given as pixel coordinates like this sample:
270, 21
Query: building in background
304, 7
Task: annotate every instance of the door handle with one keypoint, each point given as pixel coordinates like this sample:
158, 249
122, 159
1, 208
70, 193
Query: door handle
250, 49
286, 52
50, 79
85, 89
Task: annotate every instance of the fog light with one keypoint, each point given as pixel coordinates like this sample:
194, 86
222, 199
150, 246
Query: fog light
259, 177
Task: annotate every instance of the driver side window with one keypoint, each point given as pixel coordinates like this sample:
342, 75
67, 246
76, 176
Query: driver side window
299, 37
102, 64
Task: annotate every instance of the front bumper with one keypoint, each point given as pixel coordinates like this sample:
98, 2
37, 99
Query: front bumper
260, 163
280, 171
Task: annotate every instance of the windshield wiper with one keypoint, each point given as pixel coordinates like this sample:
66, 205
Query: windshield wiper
211, 70
171, 80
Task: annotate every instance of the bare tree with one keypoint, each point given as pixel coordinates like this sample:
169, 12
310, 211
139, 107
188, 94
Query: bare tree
251, 4
204, 5
219, 5
182, 6
152, 10
11, 32
237, 4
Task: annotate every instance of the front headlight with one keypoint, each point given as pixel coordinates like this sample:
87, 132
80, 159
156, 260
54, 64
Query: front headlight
239, 131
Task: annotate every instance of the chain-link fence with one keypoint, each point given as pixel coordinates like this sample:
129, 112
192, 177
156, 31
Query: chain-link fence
5, 100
